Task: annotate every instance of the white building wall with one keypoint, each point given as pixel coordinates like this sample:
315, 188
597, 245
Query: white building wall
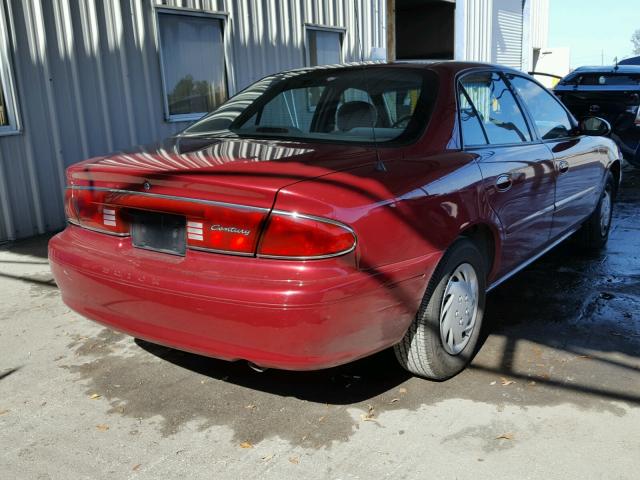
479, 30
507, 32
88, 81
539, 23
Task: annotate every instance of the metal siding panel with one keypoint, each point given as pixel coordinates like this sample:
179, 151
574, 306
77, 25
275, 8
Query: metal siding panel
60, 98
65, 26
110, 74
141, 36
24, 174
507, 42
479, 30
539, 23
117, 46
19, 178
6, 212
95, 102
55, 90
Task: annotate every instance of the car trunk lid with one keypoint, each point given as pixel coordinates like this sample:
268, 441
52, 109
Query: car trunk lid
244, 172
197, 193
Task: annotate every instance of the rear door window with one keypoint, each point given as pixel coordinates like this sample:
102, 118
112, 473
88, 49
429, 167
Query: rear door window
497, 108
550, 118
472, 133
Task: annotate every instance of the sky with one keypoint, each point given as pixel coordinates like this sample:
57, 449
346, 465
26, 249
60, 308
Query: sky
591, 27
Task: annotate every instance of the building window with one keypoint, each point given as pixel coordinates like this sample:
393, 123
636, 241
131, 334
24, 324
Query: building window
193, 63
324, 45
9, 123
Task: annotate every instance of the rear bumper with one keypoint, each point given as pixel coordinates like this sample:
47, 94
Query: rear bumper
289, 315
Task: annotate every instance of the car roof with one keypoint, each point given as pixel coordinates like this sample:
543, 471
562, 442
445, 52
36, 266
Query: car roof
450, 65
630, 61
457, 65
608, 69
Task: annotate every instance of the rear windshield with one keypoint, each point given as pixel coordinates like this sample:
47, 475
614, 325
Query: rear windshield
603, 79
361, 105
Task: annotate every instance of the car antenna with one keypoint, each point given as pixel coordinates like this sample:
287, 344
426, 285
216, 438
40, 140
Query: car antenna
380, 166
616, 66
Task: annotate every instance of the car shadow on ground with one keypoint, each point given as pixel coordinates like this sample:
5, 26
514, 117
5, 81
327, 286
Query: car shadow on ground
344, 385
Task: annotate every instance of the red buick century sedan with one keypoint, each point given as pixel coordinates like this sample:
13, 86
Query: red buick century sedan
324, 214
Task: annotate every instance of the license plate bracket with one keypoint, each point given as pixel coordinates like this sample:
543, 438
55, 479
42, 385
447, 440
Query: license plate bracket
160, 232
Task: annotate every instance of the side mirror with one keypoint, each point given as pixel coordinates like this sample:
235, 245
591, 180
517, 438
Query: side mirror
595, 127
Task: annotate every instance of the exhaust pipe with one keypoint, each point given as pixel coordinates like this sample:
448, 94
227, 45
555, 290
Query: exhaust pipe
256, 368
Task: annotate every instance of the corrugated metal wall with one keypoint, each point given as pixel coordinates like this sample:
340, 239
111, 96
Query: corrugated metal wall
479, 34
507, 33
88, 81
539, 23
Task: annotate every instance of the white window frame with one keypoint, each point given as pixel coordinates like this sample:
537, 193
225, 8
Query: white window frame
323, 28
223, 17
7, 79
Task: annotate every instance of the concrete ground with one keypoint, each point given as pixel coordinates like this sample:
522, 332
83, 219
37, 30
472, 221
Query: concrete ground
553, 393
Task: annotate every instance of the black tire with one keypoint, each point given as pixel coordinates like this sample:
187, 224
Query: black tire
422, 350
593, 235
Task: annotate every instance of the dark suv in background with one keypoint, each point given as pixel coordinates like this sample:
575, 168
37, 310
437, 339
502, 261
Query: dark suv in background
612, 93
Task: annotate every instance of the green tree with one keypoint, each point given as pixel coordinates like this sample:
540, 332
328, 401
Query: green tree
635, 39
190, 95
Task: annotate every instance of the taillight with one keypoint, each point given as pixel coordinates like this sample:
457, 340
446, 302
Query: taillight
210, 226
90, 209
226, 230
295, 236
215, 226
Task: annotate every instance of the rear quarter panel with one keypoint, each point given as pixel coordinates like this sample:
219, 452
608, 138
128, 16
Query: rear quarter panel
414, 208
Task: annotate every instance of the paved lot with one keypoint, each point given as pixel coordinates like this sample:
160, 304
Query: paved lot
554, 392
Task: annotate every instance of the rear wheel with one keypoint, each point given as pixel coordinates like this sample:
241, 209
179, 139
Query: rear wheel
594, 233
443, 337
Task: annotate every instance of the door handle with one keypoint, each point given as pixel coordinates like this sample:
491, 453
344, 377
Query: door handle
563, 166
504, 182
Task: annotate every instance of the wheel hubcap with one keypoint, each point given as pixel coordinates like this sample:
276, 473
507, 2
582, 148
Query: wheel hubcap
459, 309
605, 213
